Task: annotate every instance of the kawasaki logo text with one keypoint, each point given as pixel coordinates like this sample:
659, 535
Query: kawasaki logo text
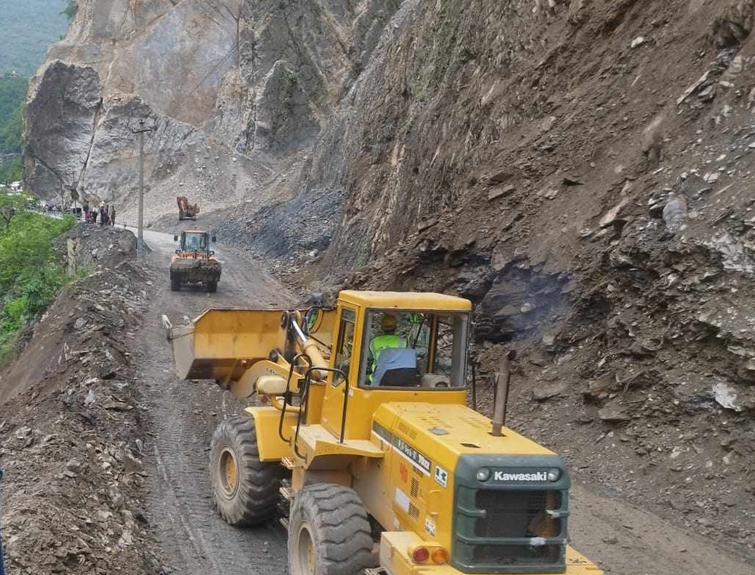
503, 476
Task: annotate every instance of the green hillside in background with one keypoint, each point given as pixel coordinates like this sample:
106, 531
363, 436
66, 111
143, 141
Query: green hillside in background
12, 95
27, 28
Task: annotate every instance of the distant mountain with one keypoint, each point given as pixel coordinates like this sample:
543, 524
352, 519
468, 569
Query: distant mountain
27, 28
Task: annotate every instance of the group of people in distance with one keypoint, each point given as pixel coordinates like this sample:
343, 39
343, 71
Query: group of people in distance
105, 213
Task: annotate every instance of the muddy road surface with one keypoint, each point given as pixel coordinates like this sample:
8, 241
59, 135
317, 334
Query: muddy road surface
183, 416
195, 541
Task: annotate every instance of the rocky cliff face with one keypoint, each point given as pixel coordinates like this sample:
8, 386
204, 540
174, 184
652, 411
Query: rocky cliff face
236, 93
581, 170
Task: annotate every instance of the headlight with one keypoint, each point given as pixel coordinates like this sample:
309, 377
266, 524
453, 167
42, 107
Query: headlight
554, 475
483, 474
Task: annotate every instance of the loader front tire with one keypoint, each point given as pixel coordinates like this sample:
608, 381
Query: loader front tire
212, 286
246, 489
175, 284
328, 532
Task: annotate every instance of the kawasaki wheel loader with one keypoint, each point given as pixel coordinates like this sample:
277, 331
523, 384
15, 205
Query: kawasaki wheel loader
367, 440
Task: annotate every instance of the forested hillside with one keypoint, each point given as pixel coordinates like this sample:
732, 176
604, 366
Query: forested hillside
27, 28
12, 94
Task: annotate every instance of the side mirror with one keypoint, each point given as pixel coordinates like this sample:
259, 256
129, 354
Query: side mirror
317, 299
312, 320
212, 252
175, 238
214, 238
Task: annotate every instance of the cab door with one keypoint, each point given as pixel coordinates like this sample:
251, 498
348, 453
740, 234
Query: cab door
345, 359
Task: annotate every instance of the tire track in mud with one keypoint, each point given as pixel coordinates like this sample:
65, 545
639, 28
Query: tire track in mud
183, 416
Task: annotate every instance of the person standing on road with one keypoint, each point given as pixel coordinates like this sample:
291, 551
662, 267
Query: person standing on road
94, 216
103, 215
111, 215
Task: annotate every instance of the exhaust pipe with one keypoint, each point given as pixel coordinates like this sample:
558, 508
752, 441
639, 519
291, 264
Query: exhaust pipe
503, 377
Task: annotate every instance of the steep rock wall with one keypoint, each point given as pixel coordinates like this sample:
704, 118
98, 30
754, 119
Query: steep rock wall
236, 92
582, 171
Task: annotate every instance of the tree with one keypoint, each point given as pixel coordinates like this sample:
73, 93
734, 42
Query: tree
11, 171
71, 7
11, 133
10, 206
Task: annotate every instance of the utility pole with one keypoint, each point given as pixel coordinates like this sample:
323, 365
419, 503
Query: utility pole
140, 226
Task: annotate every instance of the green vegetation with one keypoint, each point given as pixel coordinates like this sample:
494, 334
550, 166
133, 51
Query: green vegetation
12, 95
11, 171
11, 132
28, 28
29, 275
70, 10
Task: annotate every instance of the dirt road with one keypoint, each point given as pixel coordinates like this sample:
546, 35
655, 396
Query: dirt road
183, 416
626, 540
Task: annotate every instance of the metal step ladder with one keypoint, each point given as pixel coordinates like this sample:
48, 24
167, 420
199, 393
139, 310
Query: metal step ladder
289, 463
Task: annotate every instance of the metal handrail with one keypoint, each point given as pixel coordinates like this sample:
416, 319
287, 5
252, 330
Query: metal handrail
296, 358
305, 400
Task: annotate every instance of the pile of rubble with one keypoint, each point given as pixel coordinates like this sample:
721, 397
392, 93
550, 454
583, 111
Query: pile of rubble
71, 429
631, 309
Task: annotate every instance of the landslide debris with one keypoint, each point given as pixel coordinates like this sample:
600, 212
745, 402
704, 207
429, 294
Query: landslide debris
237, 94
582, 171
72, 430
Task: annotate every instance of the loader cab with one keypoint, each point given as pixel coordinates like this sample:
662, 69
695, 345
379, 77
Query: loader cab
194, 241
388, 347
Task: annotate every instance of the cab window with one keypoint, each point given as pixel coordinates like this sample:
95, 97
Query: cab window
345, 344
195, 242
408, 349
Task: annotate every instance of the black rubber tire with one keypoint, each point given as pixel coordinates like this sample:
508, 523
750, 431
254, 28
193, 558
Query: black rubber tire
333, 518
175, 284
212, 286
254, 497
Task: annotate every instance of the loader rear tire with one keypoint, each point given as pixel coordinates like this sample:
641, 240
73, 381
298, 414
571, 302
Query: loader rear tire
175, 284
328, 532
246, 489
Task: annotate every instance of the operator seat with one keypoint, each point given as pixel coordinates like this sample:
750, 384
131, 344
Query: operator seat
396, 367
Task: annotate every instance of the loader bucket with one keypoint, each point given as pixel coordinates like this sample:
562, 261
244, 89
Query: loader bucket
222, 344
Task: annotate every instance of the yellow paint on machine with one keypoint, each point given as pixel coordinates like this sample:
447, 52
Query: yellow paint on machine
397, 447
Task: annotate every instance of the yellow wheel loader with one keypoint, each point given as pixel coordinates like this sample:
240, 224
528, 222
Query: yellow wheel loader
194, 262
366, 438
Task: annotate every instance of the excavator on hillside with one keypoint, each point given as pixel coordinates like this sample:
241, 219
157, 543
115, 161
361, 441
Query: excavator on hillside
186, 211
365, 436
